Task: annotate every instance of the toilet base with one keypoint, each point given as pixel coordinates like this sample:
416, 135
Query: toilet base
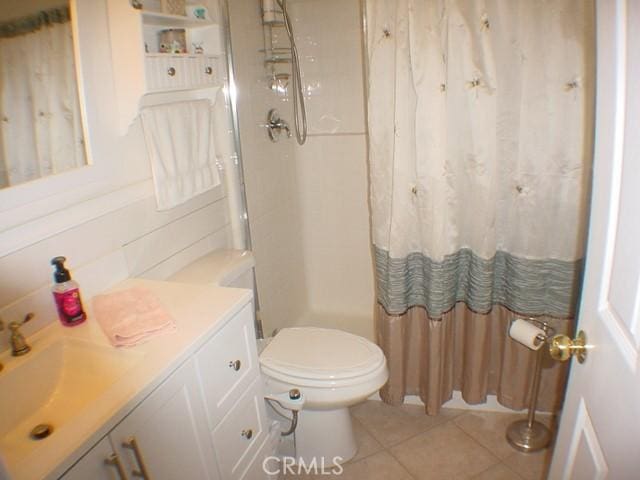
326, 436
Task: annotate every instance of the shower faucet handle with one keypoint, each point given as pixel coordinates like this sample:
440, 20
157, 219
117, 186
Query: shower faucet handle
275, 125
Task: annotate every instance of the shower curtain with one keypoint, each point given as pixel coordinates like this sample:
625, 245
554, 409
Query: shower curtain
480, 118
41, 131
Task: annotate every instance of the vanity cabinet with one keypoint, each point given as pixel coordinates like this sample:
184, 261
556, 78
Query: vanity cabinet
207, 420
99, 463
166, 437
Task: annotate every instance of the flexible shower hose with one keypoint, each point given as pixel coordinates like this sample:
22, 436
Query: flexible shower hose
299, 110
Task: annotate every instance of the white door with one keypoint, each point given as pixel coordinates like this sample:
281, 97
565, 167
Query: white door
599, 433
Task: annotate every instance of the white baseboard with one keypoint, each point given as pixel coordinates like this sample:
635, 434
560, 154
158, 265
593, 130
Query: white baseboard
491, 405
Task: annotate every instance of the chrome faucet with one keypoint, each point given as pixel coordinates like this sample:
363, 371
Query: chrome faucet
18, 343
275, 125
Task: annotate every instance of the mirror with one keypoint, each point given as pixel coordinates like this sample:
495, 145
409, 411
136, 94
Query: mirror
41, 127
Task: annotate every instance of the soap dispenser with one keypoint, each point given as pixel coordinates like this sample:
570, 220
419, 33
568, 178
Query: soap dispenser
66, 293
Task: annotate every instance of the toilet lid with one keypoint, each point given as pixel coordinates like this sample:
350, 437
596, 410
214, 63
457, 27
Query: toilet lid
321, 353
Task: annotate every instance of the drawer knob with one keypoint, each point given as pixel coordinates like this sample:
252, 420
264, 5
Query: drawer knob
208, 70
235, 364
171, 71
247, 434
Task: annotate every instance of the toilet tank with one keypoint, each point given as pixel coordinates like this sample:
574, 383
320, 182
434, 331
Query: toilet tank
225, 268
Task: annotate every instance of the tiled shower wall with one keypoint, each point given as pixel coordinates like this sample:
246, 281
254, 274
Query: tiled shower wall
269, 174
332, 166
308, 204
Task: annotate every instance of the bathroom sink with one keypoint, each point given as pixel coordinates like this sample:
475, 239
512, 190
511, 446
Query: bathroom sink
52, 384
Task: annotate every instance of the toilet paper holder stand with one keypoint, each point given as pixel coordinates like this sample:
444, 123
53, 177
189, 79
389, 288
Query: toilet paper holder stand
529, 435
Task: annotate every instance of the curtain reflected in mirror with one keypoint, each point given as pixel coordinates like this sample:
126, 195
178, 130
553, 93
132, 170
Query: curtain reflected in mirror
41, 124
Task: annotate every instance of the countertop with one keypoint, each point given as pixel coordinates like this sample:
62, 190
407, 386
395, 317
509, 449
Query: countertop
199, 311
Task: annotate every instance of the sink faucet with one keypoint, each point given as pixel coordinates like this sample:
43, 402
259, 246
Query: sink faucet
18, 343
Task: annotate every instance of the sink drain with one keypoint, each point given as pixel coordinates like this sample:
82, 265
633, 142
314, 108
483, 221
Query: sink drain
41, 431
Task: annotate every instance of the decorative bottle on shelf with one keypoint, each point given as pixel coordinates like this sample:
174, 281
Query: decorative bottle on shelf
66, 293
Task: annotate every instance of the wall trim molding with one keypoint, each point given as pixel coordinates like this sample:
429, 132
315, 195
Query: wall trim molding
31, 232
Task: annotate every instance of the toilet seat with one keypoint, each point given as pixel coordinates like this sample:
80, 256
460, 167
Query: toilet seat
321, 357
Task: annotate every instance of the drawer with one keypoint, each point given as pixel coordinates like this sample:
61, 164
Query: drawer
172, 72
263, 465
166, 72
227, 365
210, 71
241, 433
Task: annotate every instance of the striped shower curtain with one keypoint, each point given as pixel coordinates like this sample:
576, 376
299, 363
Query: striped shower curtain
480, 120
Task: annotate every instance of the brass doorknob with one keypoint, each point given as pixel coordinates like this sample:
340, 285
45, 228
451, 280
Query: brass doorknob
561, 347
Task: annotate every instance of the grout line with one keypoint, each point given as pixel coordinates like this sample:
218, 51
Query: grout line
479, 444
452, 420
336, 134
512, 470
388, 450
437, 424
382, 447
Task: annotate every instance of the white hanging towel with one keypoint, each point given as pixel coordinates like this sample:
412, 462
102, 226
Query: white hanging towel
180, 145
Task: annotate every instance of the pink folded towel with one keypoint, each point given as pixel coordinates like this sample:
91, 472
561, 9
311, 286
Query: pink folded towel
130, 317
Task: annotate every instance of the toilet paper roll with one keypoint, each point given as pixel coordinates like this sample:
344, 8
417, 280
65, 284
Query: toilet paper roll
525, 333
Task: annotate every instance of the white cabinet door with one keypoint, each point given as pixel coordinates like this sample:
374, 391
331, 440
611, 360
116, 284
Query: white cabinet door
167, 435
240, 434
99, 463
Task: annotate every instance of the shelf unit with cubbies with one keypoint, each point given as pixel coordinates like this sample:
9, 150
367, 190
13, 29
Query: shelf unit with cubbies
140, 69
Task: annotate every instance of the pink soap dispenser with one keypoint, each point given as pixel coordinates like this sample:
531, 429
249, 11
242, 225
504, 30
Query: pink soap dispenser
66, 293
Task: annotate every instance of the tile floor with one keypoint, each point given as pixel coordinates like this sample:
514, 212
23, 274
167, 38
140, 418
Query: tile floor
402, 443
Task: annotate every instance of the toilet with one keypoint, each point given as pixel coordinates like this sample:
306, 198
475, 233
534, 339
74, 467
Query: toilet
331, 368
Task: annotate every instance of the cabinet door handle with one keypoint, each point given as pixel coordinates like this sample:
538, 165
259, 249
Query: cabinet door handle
171, 71
208, 70
235, 365
132, 444
247, 434
114, 460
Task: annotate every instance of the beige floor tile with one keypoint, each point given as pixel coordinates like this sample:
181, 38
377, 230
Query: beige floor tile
498, 472
379, 466
367, 444
390, 425
443, 452
489, 430
530, 466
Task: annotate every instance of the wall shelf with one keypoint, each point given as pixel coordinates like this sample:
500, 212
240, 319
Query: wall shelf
140, 69
172, 21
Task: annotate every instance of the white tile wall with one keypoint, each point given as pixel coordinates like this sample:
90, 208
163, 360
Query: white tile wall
333, 195
308, 205
269, 171
133, 241
329, 38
